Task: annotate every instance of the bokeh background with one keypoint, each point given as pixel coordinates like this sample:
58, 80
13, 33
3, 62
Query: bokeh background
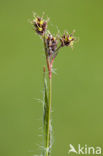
77, 84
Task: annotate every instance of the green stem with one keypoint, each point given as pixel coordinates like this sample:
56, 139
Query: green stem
48, 132
56, 52
49, 120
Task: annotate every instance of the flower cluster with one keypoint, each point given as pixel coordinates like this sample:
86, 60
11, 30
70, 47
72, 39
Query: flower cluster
66, 40
52, 44
40, 25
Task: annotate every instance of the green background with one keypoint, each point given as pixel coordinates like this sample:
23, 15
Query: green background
77, 85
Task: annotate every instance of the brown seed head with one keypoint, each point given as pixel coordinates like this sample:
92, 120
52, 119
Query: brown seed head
40, 25
67, 40
51, 43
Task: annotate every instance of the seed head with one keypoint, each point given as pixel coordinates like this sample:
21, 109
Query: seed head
67, 40
51, 43
40, 25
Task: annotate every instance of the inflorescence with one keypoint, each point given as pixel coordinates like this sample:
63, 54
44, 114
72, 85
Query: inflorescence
52, 43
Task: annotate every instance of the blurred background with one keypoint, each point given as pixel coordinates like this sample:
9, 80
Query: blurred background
77, 85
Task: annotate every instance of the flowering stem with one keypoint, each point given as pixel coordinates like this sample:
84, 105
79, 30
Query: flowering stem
48, 132
48, 145
56, 52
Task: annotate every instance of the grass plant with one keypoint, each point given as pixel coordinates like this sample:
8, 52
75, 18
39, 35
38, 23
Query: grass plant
52, 46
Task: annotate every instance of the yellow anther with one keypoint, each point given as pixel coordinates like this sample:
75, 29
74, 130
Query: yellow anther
39, 28
41, 22
70, 38
66, 39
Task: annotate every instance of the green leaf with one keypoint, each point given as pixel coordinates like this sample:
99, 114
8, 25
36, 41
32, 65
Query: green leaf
45, 108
